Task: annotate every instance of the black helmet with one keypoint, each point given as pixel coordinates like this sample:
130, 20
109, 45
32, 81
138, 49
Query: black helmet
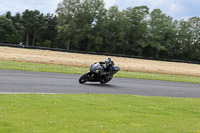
108, 61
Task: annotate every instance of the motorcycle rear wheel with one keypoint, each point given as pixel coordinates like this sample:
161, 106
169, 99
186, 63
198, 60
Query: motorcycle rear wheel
103, 81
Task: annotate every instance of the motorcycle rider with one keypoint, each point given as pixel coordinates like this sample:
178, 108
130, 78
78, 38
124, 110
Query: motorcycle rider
108, 68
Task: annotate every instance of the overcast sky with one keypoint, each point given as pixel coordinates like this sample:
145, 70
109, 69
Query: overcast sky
178, 9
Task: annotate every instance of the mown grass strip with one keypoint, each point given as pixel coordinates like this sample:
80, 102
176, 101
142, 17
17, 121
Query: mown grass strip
13, 65
95, 113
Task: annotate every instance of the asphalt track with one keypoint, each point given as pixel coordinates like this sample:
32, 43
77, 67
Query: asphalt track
12, 81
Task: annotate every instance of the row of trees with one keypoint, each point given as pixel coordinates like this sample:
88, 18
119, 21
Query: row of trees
30, 27
87, 25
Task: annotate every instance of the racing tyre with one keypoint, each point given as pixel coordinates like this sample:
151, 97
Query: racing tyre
103, 81
83, 78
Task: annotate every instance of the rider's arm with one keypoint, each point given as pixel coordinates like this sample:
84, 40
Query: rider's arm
101, 63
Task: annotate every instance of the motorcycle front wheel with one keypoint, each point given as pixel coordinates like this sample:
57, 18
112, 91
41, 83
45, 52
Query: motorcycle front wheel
83, 78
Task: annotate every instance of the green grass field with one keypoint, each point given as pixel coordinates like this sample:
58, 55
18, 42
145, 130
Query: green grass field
95, 113
12, 65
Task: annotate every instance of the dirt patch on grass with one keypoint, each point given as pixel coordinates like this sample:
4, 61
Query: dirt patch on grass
85, 60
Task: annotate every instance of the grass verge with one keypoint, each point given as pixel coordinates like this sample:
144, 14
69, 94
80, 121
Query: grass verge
95, 113
12, 65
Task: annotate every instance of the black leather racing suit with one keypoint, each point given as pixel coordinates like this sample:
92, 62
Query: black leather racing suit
108, 69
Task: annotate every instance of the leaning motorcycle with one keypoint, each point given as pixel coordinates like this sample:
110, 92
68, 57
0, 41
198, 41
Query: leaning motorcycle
96, 74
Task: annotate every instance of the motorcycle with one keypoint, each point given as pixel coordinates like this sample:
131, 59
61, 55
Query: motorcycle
96, 74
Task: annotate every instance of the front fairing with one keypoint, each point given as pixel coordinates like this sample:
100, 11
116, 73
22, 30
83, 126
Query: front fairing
96, 68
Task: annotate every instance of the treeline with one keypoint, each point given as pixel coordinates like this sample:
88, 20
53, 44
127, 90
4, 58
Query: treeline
87, 25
